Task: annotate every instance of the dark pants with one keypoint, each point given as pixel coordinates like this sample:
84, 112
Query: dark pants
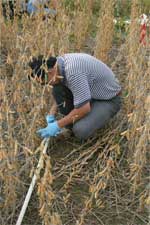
101, 111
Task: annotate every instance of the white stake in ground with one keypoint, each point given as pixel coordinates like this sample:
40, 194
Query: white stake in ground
29, 193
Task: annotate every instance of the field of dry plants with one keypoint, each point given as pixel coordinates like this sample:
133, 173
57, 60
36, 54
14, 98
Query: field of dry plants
105, 180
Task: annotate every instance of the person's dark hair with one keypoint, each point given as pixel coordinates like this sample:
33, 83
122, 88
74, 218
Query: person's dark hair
37, 65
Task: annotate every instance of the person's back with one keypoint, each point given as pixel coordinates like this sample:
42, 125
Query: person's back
37, 3
101, 80
34, 6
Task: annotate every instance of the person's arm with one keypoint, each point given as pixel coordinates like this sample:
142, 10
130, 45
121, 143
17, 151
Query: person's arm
53, 109
74, 115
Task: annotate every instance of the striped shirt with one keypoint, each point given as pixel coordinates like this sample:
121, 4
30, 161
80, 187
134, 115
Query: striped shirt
87, 78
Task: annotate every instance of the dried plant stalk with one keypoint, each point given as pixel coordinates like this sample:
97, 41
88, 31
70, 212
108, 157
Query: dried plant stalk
92, 164
82, 20
138, 88
104, 35
46, 196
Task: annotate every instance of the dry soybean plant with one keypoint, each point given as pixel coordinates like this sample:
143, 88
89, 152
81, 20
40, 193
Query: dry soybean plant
80, 184
105, 31
46, 196
82, 21
21, 103
138, 95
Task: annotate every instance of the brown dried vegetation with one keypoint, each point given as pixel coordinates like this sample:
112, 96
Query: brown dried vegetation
102, 181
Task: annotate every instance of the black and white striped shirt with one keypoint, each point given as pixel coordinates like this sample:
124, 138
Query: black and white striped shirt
87, 78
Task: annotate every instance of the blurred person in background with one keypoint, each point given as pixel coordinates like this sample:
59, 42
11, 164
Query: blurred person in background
31, 7
34, 6
85, 90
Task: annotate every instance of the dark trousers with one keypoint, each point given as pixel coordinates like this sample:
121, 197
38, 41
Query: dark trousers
101, 111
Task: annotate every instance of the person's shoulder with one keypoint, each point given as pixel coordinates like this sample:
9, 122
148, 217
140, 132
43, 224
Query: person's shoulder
77, 54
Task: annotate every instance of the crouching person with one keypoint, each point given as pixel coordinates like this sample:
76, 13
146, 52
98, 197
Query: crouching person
85, 91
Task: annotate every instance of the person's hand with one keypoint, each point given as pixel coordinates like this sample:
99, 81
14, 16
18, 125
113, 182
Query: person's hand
50, 118
52, 130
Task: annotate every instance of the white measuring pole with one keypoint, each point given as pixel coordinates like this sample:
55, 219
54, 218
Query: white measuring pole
29, 193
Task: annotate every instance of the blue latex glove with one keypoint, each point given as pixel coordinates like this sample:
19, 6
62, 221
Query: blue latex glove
50, 118
51, 130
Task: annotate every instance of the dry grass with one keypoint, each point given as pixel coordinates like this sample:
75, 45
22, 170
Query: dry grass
102, 181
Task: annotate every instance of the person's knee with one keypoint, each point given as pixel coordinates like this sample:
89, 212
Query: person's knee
80, 132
